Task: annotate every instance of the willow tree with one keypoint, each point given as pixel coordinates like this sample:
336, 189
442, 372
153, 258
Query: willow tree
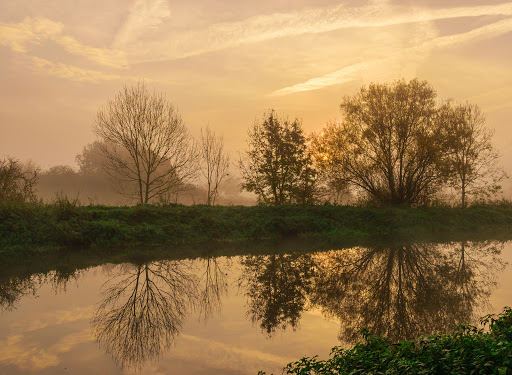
145, 144
389, 144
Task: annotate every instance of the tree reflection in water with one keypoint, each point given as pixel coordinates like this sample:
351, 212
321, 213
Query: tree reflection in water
143, 310
144, 307
475, 268
403, 292
276, 287
213, 285
12, 289
397, 291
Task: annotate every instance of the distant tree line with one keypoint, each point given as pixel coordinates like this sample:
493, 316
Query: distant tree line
397, 144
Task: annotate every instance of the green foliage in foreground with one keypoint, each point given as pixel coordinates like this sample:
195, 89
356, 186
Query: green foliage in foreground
65, 224
466, 350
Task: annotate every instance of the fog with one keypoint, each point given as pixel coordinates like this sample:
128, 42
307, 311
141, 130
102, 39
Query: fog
225, 64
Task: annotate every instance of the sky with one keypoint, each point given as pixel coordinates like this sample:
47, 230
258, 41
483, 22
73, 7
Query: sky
225, 63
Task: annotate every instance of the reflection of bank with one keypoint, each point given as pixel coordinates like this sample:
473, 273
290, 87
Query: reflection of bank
399, 291
13, 289
144, 307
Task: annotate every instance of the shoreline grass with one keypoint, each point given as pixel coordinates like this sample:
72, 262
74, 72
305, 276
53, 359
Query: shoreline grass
38, 227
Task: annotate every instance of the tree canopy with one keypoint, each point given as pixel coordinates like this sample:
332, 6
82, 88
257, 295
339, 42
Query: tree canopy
399, 146
470, 159
277, 166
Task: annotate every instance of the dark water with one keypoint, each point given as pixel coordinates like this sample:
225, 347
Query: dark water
238, 315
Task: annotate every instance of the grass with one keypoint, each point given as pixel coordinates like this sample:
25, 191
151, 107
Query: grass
67, 225
466, 350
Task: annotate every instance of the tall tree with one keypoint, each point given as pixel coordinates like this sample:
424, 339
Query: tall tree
471, 159
389, 143
145, 143
214, 162
276, 160
327, 149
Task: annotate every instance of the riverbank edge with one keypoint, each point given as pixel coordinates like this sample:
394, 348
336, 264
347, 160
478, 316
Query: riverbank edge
38, 228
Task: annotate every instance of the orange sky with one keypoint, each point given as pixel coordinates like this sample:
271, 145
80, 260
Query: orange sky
224, 63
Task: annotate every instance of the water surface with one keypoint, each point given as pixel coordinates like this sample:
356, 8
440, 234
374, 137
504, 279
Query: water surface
241, 314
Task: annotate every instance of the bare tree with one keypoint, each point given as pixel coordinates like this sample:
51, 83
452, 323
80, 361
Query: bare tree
471, 160
17, 181
146, 144
214, 162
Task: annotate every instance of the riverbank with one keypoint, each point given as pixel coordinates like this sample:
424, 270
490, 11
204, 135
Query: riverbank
35, 227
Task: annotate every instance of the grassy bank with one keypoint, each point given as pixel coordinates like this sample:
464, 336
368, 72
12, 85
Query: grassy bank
65, 225
466, 350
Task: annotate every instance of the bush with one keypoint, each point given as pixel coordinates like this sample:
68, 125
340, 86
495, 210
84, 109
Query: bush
466, 350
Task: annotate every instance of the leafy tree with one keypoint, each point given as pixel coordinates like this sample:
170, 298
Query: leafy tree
145, 143
389, 144
276, 163
327, 151
17, 181
471, 160
91, 160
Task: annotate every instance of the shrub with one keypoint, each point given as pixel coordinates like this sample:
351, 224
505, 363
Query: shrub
466, 350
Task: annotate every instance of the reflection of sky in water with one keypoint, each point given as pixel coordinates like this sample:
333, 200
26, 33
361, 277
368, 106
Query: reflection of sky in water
50, 332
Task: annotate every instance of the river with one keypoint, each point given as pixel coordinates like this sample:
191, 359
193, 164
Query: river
244, 313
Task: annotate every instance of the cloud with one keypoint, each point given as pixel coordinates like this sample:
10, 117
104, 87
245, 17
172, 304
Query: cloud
18, 351
105, 57
145, 15
223, 355
55, 317
30, 31
71, 72
317, 20
350, 72
77, 74
34, 31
